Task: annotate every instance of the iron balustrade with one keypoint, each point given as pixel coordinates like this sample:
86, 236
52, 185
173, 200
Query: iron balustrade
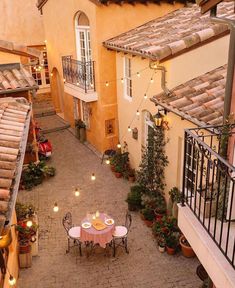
79, 73
208, 183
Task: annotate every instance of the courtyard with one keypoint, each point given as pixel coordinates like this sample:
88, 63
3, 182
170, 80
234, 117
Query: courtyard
143, 267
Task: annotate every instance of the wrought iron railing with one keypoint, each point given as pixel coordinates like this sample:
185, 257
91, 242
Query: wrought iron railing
209, 183
81, 74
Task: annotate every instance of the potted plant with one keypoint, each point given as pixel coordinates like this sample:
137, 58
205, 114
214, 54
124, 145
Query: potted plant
186, 248
175, 197
131, 175
148, 216
118, 171
80, 130
172, 243
134, 198
161, 243
160, 204
205, 199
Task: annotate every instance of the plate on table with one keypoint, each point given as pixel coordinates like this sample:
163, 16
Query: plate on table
109, 221
86, 225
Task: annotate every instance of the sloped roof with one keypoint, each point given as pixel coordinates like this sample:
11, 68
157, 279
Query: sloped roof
200, 100
18, 49
15, 77
14, 125
172, 34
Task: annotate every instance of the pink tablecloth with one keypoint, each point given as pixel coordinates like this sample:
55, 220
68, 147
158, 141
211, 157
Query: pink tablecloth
101, 237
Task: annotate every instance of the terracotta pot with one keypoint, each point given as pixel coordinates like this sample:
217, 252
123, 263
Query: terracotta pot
118, 175
24, 247
148, 223
170, 251
112, 167
186, 250
131, 179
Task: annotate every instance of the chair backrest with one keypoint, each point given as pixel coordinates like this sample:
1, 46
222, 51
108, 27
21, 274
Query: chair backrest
128, 220
67, 221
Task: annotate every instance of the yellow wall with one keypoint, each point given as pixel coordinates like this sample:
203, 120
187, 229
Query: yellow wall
21, 22
179, 70
6, 58
105, 22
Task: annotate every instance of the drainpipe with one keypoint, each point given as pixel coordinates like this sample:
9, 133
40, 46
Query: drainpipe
163, 78
231, 61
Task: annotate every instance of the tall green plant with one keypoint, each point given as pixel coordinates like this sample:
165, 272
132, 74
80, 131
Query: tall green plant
151, 169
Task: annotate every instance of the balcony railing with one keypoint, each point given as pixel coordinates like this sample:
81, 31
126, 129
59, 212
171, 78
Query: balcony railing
208, 183
79, 73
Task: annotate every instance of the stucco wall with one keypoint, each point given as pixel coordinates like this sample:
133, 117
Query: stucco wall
105, 22
21, 22
179, 70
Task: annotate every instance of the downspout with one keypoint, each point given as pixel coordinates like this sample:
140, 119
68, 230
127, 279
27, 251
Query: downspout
231, 61
163, 77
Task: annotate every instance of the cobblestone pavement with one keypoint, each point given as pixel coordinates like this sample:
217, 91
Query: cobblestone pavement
144, 267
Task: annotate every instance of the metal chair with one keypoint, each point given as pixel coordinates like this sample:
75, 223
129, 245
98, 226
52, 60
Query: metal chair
107, 154
73, 232
120, 234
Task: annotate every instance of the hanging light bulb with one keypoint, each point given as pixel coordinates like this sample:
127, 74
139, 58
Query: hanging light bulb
45, 41
138, 74
93, 177
76, 192
145, 96
44, 48
155, 66
107, 161
77, 83
12, 280
151, 81
29, 223
137, 113
64, 80
106, 83
55, 208
51, 74
122, 80
92, 85
119, 145
129, 129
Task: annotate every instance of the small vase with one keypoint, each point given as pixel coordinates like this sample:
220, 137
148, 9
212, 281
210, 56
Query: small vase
161, 249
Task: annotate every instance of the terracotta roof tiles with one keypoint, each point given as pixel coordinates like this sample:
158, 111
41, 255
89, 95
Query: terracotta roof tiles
173, 33
194, 101
12, 133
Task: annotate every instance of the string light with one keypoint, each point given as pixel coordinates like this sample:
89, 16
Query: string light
129, 129
138, 113
145, 96
55, 208
119, 145
29, 223
151, 81
64, 80
106, 84
12, 280
92, 85
138, 74
107, 161
76, 192
77, 83
93, 177
122, 80
44, 48
45, 41
51, 74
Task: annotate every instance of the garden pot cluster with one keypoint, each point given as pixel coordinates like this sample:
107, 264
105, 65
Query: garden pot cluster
120, 166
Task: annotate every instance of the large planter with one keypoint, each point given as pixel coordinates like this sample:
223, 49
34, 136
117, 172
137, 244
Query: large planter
186, 250
205, 204
25, 256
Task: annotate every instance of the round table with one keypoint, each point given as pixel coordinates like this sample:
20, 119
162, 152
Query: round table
101, 237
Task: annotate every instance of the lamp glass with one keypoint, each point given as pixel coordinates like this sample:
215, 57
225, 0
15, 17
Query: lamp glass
158, 119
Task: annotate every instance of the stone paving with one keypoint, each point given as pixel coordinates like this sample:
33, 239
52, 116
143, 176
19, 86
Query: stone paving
144, 267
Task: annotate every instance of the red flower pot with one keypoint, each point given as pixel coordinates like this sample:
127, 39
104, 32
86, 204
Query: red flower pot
148, 223
170, 251
118, 175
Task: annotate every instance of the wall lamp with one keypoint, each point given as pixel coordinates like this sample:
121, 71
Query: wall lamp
159, 118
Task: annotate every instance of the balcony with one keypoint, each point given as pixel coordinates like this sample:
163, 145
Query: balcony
207, 211
79, 78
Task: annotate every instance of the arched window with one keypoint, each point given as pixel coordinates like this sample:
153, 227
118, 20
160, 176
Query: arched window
83, 43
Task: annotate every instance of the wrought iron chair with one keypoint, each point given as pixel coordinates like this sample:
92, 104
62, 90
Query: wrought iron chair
73, 232
120, 234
